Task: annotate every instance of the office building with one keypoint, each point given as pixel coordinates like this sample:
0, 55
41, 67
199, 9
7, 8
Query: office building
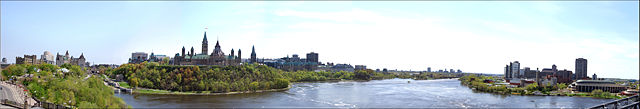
581, 68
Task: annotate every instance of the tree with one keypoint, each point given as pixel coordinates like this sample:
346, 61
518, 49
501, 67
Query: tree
134, 82
562, 86
532, 87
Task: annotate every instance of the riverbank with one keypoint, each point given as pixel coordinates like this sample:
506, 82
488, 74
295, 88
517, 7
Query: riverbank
478, 84
167, 92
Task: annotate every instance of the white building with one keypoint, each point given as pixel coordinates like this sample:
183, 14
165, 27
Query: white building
48, 58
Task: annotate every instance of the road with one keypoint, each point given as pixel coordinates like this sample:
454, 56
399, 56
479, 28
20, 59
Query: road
13, 93
5, 94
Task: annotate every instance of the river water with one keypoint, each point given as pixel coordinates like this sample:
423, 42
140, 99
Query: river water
390, 93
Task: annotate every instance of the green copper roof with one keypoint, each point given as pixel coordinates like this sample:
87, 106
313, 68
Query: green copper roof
200, 56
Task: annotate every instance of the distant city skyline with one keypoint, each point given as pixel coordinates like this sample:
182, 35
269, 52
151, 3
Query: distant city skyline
477, 36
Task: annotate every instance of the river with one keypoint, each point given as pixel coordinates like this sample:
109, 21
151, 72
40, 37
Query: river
390, 93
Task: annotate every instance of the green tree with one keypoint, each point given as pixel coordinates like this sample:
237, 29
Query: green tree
532, 87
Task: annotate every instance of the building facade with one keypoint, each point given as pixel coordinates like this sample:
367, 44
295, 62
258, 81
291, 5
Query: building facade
507, 72
360, 67
138, 57
66, 58
564, 76
217, 57
48, 58
581, 68
27, 59
312, 57
590, 85
515, 69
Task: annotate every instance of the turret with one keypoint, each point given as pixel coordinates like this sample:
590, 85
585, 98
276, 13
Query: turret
192, 53
239, 54
183, 51
232, 55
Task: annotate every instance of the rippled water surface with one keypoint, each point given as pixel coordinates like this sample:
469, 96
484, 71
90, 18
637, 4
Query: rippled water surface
396, 93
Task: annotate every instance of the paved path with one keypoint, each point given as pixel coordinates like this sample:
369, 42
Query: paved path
13, 93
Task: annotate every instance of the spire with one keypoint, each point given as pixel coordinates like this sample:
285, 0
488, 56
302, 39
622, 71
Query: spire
183, 51
217, 44
204, 41
192, 53
232, 55
253, 49
253, 54
82, 56
67, 54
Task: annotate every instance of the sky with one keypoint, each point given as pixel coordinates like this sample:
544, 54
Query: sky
473, 36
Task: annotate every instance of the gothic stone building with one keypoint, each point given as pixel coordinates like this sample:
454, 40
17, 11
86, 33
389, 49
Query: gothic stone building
60, 59
217, 57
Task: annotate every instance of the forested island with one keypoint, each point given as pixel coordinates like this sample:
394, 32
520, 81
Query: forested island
151, 77
67, 85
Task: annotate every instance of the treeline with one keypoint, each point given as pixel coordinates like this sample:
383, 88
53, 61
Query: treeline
201, 78
476, 82
65, 87
247, 77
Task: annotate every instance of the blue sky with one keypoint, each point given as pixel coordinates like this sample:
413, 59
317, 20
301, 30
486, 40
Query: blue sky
474, 36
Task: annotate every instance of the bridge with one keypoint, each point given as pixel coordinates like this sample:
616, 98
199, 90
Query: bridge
625, 103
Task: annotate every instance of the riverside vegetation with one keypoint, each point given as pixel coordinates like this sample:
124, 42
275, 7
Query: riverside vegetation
242, 78
65, 85
477, 82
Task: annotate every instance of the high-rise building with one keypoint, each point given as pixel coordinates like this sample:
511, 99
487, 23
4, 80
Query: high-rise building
428, 69
507, 72
312, 57
515, 69
581, 68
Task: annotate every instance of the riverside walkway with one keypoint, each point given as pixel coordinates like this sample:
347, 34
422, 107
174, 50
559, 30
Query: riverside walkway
625, 103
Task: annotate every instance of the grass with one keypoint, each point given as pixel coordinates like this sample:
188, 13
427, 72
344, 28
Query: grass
152, 91
582, 94
124, 85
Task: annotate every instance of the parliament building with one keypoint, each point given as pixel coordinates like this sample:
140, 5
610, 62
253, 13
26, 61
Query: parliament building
217, 57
